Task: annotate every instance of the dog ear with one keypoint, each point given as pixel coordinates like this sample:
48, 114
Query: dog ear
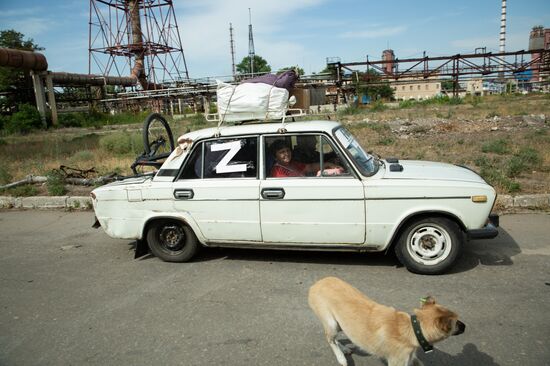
428, 300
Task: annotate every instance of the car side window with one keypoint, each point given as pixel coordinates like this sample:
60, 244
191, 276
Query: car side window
304, 155
333, 163
223, 158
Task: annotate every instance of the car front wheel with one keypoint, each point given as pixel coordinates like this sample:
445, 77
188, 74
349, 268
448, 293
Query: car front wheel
172, 241
429, 245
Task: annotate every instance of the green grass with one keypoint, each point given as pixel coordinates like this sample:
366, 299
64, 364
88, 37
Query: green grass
350, 110
499, 146
55, 183
121, 143
26, 190
386, 141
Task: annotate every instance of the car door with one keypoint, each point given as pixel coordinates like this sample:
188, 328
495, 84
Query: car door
318, 208
219, 188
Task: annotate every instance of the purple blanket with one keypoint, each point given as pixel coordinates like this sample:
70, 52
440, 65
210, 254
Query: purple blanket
285, 80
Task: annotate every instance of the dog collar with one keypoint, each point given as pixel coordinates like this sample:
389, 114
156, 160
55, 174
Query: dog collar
426, 346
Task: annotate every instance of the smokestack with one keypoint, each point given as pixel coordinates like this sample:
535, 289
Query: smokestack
138, 71
503, 27
388, 55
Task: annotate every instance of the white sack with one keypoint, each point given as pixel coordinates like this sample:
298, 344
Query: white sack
250, 101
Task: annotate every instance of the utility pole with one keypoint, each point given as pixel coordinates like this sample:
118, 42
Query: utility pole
502, 47
251, 52
232, 47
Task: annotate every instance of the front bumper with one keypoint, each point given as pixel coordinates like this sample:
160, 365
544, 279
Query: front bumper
489, 231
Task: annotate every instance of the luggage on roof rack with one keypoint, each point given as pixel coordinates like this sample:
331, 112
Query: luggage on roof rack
262, 98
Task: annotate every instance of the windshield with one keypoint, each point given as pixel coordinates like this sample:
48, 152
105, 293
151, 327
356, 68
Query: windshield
367, 164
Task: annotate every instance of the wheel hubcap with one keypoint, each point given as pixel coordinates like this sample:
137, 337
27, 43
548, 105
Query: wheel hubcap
172, 238
429, 244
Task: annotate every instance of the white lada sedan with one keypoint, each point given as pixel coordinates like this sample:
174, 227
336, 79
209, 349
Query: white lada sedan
302, 185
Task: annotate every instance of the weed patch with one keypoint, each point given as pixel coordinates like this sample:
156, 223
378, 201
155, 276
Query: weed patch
499, 146
378, 106
349, 110
26, 190
122, 143
386, 141
55, 183
5, 176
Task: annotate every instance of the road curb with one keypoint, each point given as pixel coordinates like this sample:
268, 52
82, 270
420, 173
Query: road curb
47, 202
504, 202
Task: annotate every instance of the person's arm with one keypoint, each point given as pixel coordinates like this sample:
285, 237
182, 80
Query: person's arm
315, 167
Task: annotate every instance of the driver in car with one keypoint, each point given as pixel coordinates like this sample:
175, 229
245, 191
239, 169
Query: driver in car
286, 167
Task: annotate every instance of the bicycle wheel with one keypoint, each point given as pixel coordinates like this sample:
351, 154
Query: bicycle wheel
157, 135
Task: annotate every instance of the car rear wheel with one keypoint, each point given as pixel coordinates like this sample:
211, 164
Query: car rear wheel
429, 245
172, 241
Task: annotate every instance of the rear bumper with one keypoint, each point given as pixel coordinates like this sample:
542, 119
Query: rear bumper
489, 231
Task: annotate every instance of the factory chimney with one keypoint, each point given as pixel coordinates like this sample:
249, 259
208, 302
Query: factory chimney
502, 47
389, 56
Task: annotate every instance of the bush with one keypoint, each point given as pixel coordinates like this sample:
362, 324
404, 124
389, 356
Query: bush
530, 156
3, 121
527, 158
55, 183
25, 120
122, 143
407, 103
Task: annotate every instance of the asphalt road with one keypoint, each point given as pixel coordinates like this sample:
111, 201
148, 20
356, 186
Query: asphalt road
70, 295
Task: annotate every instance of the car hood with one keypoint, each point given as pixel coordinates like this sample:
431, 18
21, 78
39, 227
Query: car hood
417, 169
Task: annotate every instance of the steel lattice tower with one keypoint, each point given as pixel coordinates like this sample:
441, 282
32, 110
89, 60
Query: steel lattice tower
137, 38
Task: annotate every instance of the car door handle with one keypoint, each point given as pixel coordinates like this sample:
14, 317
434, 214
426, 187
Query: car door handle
273, 193
183, 194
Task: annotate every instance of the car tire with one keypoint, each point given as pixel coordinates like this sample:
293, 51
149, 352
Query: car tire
429, 245
172, 241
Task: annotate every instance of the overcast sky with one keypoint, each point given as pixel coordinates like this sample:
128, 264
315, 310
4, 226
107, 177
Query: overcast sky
296, 32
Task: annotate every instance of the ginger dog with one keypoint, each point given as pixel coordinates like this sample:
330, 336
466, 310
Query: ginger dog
379, 330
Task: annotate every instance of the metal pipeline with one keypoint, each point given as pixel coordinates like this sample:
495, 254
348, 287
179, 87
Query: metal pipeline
35, 61
66, 78
26, 60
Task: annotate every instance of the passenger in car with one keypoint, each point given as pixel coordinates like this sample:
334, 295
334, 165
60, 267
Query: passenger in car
286, 167
305, 149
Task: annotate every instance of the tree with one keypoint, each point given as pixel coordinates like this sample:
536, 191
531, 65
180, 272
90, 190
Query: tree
15, 85
370, 83
298, 70
260, 65
447, 85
